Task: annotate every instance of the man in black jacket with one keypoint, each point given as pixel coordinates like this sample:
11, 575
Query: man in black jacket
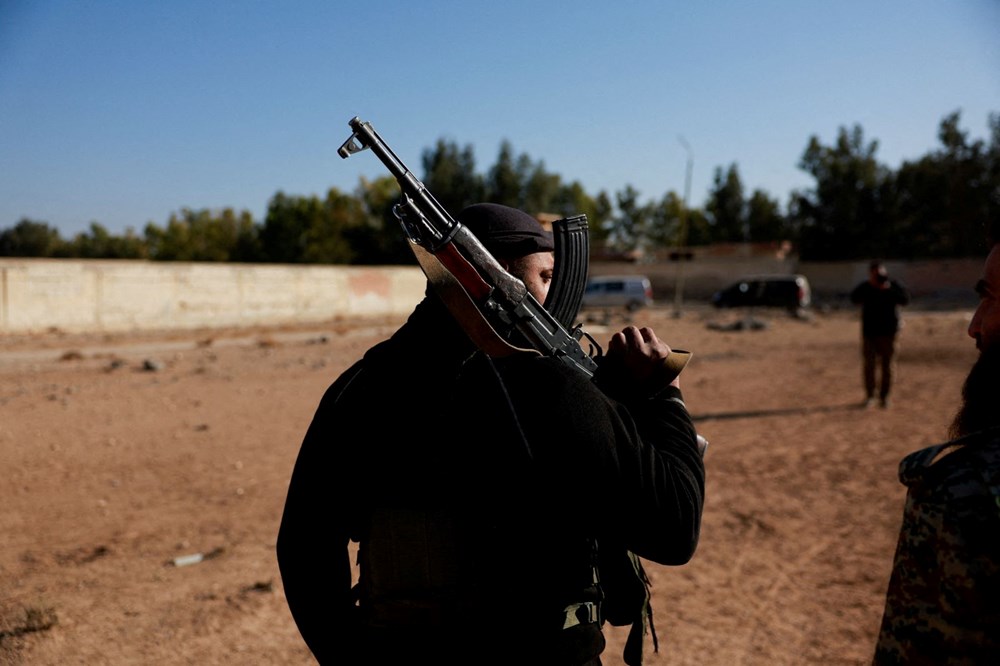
496, 501
879, 298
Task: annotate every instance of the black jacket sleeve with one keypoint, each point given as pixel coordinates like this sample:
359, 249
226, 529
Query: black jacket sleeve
313, 554
664, 475
858, 293
638, 460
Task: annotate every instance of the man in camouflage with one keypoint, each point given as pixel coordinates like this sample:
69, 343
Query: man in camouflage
943, 600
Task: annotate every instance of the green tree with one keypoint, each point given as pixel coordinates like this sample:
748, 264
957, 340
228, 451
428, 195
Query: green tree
667, 222
29, 238
505, 183
379, 238
329, 224
844, 215
672, 224
572, 199
201, 235
630, 228
542, 190
699, 230
944, 198
450, 175
764, 219
726, 206
247, 246
284, 234
310, 230
603, 218
99, 243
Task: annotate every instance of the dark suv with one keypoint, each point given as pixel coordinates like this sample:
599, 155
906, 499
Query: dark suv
790, 292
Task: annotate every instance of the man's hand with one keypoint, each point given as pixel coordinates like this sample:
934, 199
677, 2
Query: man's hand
639, 357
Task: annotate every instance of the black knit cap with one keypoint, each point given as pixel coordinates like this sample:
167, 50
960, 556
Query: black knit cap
506, 231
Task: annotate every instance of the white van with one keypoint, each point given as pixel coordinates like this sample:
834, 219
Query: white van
630, 292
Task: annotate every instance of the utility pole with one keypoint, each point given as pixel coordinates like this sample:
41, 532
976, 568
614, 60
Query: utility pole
682, 231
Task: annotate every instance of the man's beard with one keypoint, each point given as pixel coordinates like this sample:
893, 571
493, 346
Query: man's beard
980, 396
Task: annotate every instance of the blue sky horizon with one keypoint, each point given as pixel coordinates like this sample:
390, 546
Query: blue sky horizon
122, 113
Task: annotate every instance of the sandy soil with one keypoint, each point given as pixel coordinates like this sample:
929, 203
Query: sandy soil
121, 454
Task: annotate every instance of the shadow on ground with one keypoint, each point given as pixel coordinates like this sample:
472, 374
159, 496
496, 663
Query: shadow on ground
758, 413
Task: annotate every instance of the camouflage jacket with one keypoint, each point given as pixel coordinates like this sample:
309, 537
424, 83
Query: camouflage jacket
943, 600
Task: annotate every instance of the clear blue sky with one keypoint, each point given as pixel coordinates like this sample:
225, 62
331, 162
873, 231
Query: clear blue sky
122, 112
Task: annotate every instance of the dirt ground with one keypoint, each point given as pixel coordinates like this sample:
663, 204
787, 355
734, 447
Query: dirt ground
122, 456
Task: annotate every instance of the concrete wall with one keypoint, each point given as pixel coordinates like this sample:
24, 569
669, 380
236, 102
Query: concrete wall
933, 283
929, 281
107, 295
110, 295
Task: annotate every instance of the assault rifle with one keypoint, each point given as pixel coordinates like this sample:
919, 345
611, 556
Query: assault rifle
460, 267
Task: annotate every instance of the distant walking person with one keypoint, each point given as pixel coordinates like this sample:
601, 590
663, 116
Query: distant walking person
879, 298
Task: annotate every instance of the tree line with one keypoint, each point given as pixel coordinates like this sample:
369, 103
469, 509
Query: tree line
932, 207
